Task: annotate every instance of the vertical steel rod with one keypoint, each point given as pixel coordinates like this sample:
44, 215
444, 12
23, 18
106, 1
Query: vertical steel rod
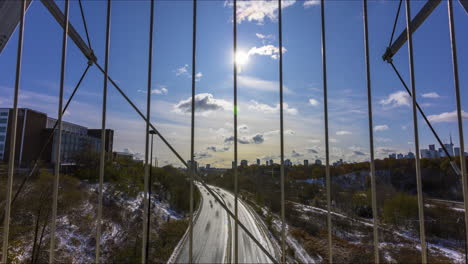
422, 234
459, 118
146, 211
236, 181
192, 137
103, 134
11, 161
371, 136
59, 138
280, 44
148, 221
327, 150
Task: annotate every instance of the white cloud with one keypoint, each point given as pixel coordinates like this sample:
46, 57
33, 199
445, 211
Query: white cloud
313, 102
262, 85
270, 109
255, 10
162, 90
266, 50
382, 139
204, 102
431, 95
243, 128
380, 127
343, 132
198, 76
182, 70
400, 98
309, 3
447, 117
261, 36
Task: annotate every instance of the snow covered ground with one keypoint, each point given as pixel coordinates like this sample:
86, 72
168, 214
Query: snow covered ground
76, 231
453, 255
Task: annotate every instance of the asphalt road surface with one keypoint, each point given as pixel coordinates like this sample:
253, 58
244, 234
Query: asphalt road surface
213, 233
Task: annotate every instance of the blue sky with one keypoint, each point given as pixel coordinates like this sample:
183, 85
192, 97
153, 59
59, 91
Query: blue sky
258, 79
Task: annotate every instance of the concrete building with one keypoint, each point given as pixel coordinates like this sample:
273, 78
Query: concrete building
271, 162
399, 156
456, 151
258, 162
318, 162
33, 131
425, 153
392, 156
287, 162
195, 163
244, 163
306, 163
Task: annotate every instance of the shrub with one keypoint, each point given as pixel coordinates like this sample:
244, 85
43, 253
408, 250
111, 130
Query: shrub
401, 209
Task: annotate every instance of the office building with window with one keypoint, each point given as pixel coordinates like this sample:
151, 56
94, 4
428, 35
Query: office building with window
33, 131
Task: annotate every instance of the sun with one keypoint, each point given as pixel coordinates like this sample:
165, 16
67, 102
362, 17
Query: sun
242, 58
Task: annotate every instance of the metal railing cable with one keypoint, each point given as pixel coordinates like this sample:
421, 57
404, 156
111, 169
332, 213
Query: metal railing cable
375, 217
463, 172
421, 111
58, 141
103, 134
179, 157
327, 147
390, 61
49, 138
36, 161
84, 50
236, 180
280, 44
192, 167
11, 161
395, 23
422, 229
84, 24
146, 202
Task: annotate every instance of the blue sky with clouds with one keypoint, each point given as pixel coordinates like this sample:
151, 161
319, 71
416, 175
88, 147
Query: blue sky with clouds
257, 80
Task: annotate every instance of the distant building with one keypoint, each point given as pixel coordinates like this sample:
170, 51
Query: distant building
258, 162
34, 128
195, 163
410, 155
392, 156
123, 155
337, 163
442, 152
425, 153
306, 163
271, 162
233, 164
287, 162
244, 163
207, 166
266, 162
399, 156
318, 162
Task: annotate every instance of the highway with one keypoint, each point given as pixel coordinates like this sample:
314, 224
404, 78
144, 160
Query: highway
213, 233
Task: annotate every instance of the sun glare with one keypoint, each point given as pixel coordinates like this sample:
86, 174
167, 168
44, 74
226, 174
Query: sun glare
241, 58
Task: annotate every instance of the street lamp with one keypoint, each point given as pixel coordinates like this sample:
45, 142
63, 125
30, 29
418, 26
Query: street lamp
152, 133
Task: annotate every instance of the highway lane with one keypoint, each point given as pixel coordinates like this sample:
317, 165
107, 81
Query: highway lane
249, 251
213, 233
